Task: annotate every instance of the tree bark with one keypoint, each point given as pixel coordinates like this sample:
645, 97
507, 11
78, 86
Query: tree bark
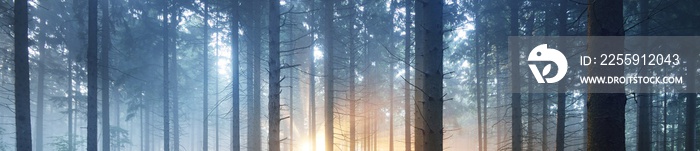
235, 81
23, 126
39, 127
691, 104
419, 121
166, 78
432, 48
606, 111
174, 81
205, 72
70, 110
352, 86
516, 114
407, 77
644, 111
561, 89
327, 29
274, 77
104, 73
92, 74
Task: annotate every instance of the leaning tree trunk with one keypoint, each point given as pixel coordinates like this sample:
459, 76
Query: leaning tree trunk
23, 124
606, 111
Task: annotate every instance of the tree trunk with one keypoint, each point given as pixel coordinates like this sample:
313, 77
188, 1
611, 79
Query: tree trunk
23, 125
644, 111
484, 93
606, 111
69, 91
174, 81
432, 72
690, 104
205, 72
561, 89
254, 128
352, 86
327, 29
419, 121
392, 9
39, 128
166, 79
235, 82
477, 55
104, 59
274, 77
92, 74
516, 114
407, 77
391, 106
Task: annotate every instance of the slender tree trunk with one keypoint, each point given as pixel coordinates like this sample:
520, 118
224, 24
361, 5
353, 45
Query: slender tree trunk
407, 77
274, 77
69, 91
92, 70
104, 73
645, 102
174, 81
166, 80
561, 89
255, 130
392, 9
216, 89
484, 94
23, 125
529, 29
419, 121
516, 114
690, 105
477, 55
235, 81
665, 123
39, 128
606, 111
352, 86
205, 72
327, 29
391, 107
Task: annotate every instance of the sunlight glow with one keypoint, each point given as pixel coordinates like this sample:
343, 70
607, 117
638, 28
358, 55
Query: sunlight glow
318, 54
